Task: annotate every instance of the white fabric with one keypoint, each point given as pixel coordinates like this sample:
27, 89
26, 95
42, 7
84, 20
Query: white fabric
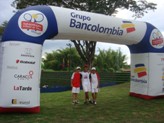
75, 90
86, 81
94, 83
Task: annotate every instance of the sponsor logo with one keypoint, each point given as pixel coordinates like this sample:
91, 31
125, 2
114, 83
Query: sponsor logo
82, 22
129, 26
22, 88
16, 101
156, 39
12, 67
140, 69
24, 76
14, 44
138, 80
163, 75
27, 53
33, 23
24, 62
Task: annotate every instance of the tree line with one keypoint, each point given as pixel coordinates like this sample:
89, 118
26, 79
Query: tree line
68, 59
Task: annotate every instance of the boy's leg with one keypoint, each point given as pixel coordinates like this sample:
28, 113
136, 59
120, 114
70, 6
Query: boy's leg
76, 95
73, 95
73, 98
86, 96
76, 98
96, 95
93, 96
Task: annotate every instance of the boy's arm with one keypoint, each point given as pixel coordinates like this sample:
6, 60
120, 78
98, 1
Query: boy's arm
90, 77
72, 80
98, 78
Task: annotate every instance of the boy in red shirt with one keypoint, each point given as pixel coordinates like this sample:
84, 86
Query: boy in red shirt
75, 84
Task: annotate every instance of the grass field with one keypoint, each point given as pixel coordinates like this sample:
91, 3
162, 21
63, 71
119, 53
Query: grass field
113, 106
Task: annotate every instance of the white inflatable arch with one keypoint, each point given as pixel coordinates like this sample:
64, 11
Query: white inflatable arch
21, 48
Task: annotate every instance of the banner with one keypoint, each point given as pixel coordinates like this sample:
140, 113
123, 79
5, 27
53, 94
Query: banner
156, 74
139, 73
20, 74
73, 24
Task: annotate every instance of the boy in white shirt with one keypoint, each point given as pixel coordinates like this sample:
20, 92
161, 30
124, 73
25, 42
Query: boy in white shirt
94, 78
86, 83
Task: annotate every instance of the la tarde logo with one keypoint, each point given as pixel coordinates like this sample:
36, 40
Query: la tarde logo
140, 69
129, 26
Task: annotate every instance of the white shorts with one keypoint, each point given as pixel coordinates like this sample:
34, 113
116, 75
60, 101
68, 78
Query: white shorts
95, 90
86, 87
75, 89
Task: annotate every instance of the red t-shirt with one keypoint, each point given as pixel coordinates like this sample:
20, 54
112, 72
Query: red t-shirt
76, 79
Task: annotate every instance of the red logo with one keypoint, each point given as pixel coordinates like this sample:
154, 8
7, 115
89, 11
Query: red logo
17, 61
157, 41
24, 62
129, 26
31, 26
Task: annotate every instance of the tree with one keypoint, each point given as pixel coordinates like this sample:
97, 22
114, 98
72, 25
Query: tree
110, 60
2, 27
64, 59
86, 49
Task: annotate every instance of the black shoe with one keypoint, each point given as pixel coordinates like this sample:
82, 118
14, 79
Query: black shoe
73, 103
91, 102
86, 102
76, 102
94, 102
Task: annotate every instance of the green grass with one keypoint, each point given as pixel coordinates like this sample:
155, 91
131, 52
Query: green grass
114, 105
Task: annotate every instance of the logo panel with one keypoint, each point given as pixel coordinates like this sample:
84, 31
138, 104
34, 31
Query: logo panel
129, 26
156, 39
22, 102
140, 69
33, 23
22, 88
28, 52
27, 76
24, 62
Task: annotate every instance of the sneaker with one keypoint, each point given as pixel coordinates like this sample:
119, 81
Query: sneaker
85, 102
94, 103
76, 102
91, 102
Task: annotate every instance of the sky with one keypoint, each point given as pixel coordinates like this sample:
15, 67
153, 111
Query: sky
156, 18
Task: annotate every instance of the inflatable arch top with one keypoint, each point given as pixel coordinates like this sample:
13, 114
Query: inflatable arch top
21, 47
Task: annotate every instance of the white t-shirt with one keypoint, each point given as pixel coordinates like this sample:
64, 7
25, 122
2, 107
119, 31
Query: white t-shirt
94, 80
85, 78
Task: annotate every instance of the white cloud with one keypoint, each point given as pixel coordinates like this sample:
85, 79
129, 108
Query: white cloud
153, 17
51, 45
6, 10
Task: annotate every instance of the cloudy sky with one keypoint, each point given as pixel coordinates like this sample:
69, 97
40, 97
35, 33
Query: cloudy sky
156, 18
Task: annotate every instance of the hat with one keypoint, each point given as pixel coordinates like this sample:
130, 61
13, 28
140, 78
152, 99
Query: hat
78, 68
93, 68
85, 65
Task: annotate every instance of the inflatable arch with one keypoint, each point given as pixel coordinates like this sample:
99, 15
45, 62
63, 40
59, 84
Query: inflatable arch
21, 47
